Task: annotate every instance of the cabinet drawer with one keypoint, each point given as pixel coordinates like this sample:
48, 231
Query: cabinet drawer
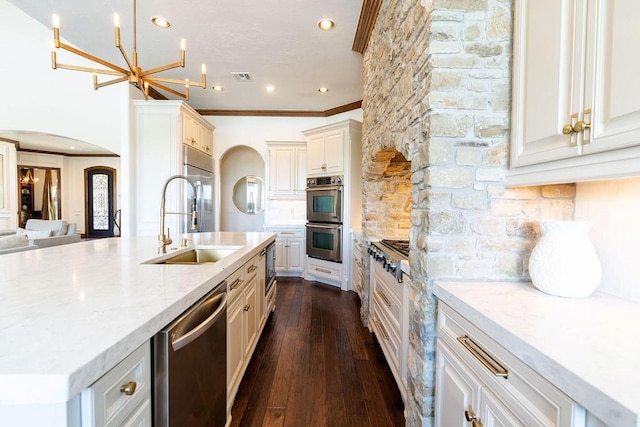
389, 341
271, 298
531, 398
285, 234
106, 403
326, 269
235, 283
391, 285
388, 302
251, 267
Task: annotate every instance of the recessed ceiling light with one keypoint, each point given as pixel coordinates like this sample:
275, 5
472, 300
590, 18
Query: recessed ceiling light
270, 89
217, 88
323, 90
161, 22
326, 24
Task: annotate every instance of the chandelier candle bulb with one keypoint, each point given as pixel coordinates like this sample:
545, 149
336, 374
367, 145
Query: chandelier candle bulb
116, 20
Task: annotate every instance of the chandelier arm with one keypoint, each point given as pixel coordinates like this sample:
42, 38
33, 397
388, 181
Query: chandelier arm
93, 58
97, 85
179, 82
126, 59
89, 70
166, 88
159, 69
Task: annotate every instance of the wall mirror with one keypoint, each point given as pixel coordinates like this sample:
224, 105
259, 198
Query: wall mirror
39, 193
248, 194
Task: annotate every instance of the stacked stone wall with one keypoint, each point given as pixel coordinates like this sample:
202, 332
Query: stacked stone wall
437, 89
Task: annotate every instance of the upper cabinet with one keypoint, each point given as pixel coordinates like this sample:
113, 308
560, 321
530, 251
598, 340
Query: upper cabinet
287, 169
197, 132
576, 100
325, 152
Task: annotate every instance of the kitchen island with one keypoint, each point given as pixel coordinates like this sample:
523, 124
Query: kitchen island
71, 313
585, 348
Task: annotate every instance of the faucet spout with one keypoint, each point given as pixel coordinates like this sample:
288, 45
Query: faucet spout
165, 239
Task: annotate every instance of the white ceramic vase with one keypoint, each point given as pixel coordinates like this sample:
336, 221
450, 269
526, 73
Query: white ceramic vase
564, 262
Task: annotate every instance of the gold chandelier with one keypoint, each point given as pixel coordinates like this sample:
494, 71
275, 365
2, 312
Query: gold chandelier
135, 75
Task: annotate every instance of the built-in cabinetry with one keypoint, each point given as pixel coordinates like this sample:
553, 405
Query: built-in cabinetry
287, 169
576, 97
325, 152
290, 249
161, 130
122, 396
336, 149
389, 320
244, 302
478, 380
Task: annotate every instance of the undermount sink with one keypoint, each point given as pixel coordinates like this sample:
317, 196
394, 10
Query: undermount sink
201, 255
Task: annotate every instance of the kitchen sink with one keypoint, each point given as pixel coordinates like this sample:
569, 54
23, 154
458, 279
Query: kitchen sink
198, 255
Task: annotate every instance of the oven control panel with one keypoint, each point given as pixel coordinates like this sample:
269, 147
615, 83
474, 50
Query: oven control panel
323, 181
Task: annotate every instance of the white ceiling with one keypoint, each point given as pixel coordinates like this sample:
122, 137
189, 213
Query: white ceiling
276, 41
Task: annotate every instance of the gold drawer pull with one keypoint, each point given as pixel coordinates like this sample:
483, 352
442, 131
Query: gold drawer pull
384, 298
235, 284
252, 268
323, 270
383, 331
247, 307
128, 388
483, 357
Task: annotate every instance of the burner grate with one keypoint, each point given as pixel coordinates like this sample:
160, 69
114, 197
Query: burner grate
400, 246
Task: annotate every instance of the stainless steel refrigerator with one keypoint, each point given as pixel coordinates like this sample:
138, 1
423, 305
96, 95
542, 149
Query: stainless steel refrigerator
199, 167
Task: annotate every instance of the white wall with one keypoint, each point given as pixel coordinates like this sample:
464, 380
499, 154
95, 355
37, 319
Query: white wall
614, 206
59, 102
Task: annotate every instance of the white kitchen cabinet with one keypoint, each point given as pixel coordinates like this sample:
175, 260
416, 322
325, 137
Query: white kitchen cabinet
122, 396
245, 297
287, 169
196, 132
160, 131
389, 320
290, 250
573, 66
325, 153
478, 377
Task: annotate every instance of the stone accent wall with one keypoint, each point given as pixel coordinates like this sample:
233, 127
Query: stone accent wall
437, 90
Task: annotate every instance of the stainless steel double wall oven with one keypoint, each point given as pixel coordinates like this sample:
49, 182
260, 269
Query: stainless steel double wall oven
324, 217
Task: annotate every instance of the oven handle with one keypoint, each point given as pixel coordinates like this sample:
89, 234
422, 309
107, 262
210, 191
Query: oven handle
328, 187
331, 227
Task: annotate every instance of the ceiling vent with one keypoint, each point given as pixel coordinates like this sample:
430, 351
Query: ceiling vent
240, 76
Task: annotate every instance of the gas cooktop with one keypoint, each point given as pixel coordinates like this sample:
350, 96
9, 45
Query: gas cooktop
400, 246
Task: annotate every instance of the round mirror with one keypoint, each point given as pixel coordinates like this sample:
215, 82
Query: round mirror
248, 194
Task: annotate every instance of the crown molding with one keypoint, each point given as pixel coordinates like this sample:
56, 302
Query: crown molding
368, 16
283, 113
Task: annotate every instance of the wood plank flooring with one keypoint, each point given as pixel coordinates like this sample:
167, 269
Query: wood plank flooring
316, 365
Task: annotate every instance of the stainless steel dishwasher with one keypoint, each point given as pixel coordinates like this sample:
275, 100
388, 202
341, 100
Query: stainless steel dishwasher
190, 365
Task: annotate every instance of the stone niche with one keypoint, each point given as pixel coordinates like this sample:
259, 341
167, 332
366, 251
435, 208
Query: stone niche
387, 190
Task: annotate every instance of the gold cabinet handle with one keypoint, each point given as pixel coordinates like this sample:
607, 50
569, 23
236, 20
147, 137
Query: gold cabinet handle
568, 130
483, 357
247, 307
383, 331
252, 268
235, 284
128, 388
581, 126
472, 418
384, 298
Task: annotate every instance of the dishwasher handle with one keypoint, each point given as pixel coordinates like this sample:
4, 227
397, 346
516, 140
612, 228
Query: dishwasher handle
185, 332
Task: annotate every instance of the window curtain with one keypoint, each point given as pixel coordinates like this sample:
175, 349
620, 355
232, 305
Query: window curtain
48, 202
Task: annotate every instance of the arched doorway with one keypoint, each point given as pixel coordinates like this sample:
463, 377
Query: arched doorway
100, 185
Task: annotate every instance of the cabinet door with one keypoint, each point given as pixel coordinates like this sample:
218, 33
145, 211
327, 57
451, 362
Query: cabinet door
251, 317
281, 255
457, 390
296, 254
547, 78
315, 154
190, 130
281, 171
262, 301
612, 90
235, 344
493, 413
205, 142
333, 151
301, 171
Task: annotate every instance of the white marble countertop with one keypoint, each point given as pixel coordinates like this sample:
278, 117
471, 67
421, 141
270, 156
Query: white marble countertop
587, 348
70, 313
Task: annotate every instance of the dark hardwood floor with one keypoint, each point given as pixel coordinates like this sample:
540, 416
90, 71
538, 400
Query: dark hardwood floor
316, 365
